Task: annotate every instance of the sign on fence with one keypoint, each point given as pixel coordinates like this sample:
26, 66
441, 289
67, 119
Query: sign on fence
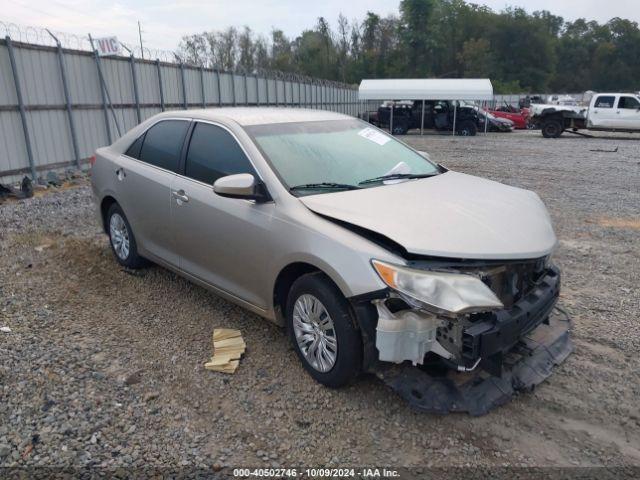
108, 46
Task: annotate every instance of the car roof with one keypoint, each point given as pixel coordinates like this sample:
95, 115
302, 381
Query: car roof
246, 116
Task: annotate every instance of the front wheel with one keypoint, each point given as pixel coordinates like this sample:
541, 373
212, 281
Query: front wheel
323, 332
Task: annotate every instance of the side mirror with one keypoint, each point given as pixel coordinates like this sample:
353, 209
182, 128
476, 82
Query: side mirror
243, 186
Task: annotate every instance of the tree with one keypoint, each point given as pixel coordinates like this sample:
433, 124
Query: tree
247, 50
476, 58
416, 16
281, 55
518, 51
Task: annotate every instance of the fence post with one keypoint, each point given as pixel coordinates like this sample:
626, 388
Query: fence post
160, 84
257, 91
334, 97
219, 86
233, 87
204, 100
291, 90
266, 81
275, 79
184, 87
23, 115
299, 92
67, 98
102, 93
135, 87
246, 88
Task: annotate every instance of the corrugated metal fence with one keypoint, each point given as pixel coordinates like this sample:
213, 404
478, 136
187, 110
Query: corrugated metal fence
54, 112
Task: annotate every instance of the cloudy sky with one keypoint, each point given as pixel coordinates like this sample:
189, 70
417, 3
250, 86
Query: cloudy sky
164, 23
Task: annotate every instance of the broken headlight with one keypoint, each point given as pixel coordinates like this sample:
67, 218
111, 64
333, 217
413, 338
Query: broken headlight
439, 292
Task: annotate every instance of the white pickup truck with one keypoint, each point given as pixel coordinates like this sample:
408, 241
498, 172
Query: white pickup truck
613, 112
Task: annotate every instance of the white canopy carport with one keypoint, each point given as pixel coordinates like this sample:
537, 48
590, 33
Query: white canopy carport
469, 89
426, 89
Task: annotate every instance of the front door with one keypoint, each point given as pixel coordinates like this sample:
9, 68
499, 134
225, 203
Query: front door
628, 113
221, 241
603, 115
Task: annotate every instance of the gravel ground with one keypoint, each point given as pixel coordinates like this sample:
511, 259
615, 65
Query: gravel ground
105, 368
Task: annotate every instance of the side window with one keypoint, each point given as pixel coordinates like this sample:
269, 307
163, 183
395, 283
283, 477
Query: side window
134, 150
631, 103
214, 153
163, 143
604, 102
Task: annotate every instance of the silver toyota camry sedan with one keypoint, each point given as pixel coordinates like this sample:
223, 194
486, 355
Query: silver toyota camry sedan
374, 257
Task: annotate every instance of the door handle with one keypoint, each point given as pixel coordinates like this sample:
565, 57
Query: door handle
120, 173
180, 196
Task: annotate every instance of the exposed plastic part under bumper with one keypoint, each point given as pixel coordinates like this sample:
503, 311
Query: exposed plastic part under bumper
529, 363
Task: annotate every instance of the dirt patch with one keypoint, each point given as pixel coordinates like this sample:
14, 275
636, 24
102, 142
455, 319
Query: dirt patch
630, 223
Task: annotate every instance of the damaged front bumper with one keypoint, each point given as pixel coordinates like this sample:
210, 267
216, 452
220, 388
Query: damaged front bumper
500, 352
526, 365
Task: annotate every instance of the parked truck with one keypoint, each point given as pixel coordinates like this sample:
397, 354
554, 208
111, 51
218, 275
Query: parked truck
612, 112
438, 115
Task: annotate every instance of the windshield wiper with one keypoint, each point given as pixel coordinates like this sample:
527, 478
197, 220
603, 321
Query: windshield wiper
324, 185
396, 176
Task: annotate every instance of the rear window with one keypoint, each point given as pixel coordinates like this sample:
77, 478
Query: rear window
162, 144
134, 150
605, 102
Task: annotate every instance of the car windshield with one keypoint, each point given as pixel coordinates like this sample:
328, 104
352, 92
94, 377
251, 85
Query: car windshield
326, 156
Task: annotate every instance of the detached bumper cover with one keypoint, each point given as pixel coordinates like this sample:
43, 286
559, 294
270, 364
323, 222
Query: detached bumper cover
526, 365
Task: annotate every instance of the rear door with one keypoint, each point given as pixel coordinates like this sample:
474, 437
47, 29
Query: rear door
222, 241
146, 172
628, 113
603, 115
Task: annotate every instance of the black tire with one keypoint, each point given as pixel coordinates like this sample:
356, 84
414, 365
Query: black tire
132, 259
400, 129
348, 363
467, 128
552, 128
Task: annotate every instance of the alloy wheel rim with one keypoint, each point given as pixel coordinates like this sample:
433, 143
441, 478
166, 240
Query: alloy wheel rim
315, 333
119, 236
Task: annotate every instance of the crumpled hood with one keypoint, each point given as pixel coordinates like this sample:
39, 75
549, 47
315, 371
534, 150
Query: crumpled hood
449, 215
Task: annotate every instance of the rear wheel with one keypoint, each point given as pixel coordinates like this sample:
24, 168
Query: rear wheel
467, 129
400, 129
123, 243
552, 128
322, 331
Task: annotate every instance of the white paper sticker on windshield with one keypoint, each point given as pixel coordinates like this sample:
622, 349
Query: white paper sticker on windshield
374, 136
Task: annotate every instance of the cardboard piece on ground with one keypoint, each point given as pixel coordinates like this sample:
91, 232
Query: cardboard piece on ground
226, 368
218, 360
224, 333
228, 347
229, 342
